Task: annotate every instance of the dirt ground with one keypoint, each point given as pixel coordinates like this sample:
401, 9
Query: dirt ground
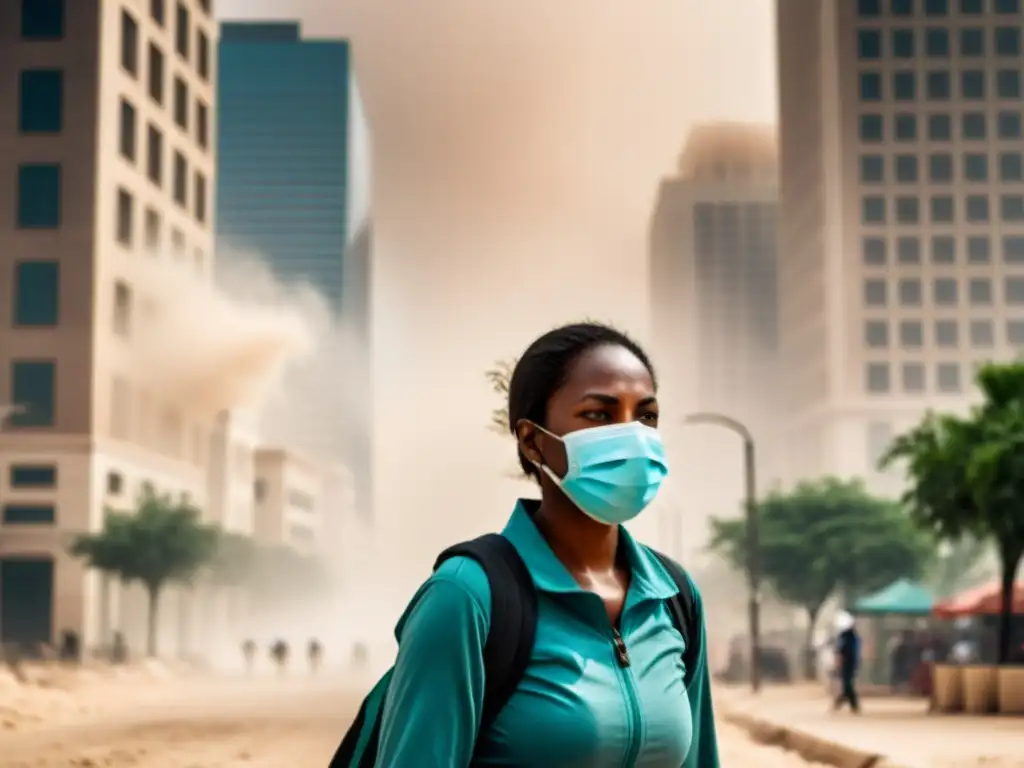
228, 724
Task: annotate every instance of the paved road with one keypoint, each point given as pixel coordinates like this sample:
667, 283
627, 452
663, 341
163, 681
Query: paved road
266, 724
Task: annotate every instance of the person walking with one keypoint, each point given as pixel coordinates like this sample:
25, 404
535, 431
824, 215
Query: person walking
315, 652
847, 662
249, 655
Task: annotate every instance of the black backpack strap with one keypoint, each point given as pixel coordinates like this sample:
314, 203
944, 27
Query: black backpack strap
683, 609
513, 629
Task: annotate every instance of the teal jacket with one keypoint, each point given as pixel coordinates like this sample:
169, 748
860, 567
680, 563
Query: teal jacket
576, 706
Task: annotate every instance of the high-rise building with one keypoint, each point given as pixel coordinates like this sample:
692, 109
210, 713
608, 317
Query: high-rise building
902, 228
295, 185
106, 160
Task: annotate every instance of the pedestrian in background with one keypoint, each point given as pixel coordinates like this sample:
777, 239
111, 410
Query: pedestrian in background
848, 649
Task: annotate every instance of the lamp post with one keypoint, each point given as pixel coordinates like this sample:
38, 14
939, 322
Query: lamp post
753, 534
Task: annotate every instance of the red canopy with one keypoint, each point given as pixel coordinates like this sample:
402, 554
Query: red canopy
986, 600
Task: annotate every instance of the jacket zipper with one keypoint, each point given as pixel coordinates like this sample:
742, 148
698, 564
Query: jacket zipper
633, 704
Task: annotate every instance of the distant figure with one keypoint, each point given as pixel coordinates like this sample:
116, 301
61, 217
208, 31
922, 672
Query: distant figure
249, 654
847, 662
70, 647
315, 653
279, 655
119, 649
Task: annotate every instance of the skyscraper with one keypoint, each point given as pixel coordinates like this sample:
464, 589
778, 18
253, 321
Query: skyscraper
295, 185
902, 230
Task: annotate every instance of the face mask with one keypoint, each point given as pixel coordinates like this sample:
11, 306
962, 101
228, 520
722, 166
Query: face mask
614, 472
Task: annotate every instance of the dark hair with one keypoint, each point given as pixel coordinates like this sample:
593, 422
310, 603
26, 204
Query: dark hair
547, 363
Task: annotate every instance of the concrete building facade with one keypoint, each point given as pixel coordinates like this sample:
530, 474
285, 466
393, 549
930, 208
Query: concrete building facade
108, 155
902, 230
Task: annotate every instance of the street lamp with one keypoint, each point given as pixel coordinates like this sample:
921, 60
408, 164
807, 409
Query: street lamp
753, 534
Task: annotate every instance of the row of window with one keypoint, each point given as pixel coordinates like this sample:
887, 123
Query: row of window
973, 84
949, 378
939, 127
183, 46
45, 20
946, 292
946, 334
876, 8
974, 167
941, 209
942, 248
971, 43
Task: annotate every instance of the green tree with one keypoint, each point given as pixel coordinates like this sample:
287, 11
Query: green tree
161, 542
823, 538
967, 475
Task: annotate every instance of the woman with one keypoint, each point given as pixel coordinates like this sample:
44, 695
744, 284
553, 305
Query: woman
581, 398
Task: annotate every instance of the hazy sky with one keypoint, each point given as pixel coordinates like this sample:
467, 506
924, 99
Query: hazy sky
518, 149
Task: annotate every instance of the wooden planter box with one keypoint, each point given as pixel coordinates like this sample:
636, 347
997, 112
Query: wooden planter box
948, 688
981, 689
1010, 684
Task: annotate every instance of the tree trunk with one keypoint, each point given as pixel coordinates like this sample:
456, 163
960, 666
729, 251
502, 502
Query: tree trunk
153, 591
1010, 562
810, 655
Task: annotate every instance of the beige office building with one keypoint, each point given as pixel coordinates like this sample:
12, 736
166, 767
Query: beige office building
107, 159
902, 228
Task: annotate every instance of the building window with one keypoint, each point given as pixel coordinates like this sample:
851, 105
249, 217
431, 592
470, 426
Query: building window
904, 86
1007, 41
1009, 7
152, 229
1009, 124
983, 334
871, 128
202, 124
122, 308
42, 101
39, 196
972, 126
936, 7
1011, 207
1014, 291
936, 43
972, 7
115, 483
869, 8
947, 333
873, 251
875, 293
33, 476
937, 85
905, 127
908, 250
908, 210
1015, 333
872, 169
976, 167
37, 294
911, 334
972, 42
940, 128
29, 514
943, 249
901, 7
906, 169
979, 249
155, 155
125, 216
203, 55
869, 44
876, 334
873, 210
1013, 249
1011, 166
34, 389
156, 74
940, 168
947, 378
177, 242
903, 43
181, 103
200, 197
42, 19
913, 377
1008, 84
877, 375
909, 290
129, 44
180, 179
972, 84
129, 127
182, 31
979, 291
158, 11
977, 208
870, 86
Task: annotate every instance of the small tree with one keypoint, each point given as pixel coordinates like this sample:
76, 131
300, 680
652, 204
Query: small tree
162, 542
824, 537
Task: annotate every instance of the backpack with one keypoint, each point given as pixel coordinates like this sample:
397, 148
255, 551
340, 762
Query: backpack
509, 643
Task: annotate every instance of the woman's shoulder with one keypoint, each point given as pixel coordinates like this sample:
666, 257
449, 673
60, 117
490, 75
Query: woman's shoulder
457, 590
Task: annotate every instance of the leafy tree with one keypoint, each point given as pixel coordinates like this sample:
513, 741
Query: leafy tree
967, 475
824, 537
162, 542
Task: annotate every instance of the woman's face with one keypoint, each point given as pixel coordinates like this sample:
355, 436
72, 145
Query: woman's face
607, 384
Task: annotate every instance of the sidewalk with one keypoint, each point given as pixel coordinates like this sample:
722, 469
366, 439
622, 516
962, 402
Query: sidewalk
900, 729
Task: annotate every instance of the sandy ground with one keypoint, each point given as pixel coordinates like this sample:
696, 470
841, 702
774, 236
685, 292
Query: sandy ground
152, 719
